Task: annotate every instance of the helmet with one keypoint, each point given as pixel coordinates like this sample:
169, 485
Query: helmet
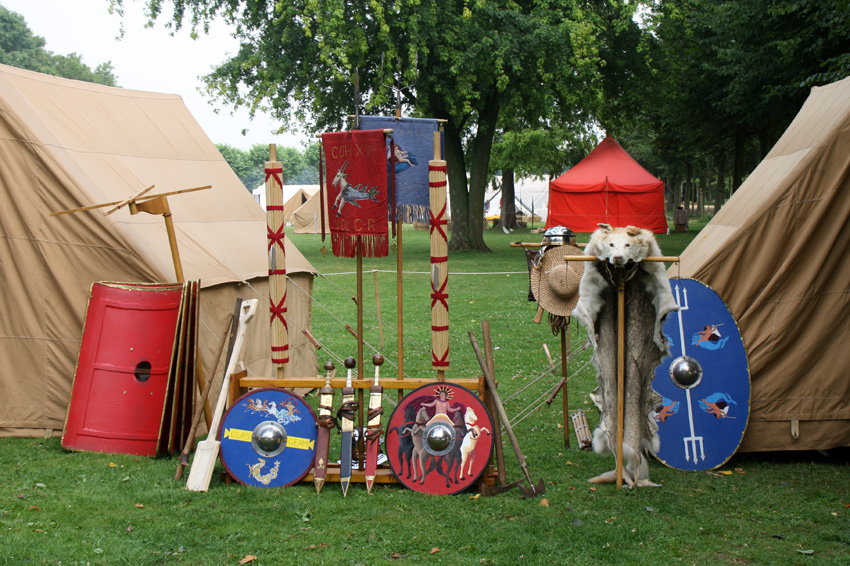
558, 236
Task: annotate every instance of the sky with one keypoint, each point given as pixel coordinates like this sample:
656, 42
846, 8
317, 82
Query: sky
150, 59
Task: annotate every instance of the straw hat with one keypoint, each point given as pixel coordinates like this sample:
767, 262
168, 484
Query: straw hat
554, 281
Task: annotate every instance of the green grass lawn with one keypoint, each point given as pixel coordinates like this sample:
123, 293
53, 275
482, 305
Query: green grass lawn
58, 507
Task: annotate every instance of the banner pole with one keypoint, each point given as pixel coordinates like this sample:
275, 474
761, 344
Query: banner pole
360, 396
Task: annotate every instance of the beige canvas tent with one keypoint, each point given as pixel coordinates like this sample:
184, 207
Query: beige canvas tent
67, 144
295, 202
307, 219
776, 253
293, 197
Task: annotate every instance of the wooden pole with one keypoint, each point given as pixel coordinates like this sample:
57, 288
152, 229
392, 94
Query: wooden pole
565, 350
491, 383
378, 308
439, 262
621, 362
664, 258
360, 397
172, 242
399, 305
190, 439
491, 405
277, 262
139, 197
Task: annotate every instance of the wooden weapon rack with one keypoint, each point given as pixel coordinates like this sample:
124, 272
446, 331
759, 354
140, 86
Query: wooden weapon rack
240, 385
384, 474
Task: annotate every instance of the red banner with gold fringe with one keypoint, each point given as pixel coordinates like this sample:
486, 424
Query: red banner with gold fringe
356, 165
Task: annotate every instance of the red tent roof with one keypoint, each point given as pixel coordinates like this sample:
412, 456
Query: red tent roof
607, 186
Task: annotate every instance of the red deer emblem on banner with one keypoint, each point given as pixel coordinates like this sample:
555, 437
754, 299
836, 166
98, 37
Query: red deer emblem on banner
357, 192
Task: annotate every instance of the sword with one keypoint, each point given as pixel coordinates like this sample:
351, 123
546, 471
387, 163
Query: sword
325, 422
346, 415
373, 424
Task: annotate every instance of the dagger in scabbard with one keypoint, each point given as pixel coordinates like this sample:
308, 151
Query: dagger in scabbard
373, 424
346, 414
325, 422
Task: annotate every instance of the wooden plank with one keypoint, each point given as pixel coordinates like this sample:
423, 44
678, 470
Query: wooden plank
337, 383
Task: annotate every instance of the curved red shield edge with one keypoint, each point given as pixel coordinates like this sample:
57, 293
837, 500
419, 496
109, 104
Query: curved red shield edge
464, 463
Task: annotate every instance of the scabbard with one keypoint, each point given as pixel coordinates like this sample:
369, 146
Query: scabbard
346, 415
373, 434
325, 422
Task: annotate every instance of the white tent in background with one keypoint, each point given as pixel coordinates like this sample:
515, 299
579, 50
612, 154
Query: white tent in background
531, 198
289, 191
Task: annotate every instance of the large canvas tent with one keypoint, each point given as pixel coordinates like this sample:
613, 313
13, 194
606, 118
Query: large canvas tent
67, 144
609, 186
776, 253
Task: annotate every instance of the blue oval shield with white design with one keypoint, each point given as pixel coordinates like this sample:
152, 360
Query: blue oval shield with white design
701, 425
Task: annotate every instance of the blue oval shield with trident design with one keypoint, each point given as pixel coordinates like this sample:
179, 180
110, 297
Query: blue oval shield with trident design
268, 438
704, 382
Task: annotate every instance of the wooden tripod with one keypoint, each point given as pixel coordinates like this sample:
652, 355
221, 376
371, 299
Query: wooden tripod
152, 204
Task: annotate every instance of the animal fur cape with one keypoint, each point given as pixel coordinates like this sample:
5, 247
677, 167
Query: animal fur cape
648, 300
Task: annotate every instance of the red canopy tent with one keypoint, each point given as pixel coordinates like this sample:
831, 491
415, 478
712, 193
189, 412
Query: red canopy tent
607, 186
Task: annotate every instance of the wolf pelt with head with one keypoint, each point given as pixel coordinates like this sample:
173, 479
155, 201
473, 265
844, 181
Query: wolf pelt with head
648, 301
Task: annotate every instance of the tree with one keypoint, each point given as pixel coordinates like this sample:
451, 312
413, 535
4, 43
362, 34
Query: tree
732, 74
241, 164
250, 165
20, 48
461, 61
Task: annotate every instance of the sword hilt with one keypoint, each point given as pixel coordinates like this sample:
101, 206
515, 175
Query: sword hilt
350, 363
373, 418
325, 418
349, 406
378, 360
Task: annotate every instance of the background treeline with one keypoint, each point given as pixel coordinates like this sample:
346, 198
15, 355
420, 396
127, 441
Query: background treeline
300, 167
696, 90
721, 82
20, 48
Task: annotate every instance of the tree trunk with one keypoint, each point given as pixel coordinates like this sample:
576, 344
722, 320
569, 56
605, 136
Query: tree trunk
720, 186
479, 163
675, 191
508, 219
738, 166
703, 191
458, 193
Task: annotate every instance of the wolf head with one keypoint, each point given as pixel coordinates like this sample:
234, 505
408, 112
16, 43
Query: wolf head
618, 246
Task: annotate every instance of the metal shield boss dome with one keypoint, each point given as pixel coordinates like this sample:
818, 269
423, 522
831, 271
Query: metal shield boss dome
439, 438
268, 438
686, 372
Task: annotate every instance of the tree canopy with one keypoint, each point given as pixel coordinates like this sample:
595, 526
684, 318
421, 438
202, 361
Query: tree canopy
682, 84
20, 48
465, 62
299, 168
